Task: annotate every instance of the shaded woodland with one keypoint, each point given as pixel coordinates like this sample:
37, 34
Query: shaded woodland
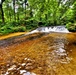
25, 15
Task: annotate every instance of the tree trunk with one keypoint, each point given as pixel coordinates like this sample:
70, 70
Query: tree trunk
18, 16
14, 10
10, 16
2, 13
25, 10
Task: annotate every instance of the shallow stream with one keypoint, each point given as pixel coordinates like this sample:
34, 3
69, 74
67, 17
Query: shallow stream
39, 54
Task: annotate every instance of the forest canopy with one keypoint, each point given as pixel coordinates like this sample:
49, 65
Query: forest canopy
21, 15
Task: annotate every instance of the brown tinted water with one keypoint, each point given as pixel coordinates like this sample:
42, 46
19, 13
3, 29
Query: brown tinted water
39, 54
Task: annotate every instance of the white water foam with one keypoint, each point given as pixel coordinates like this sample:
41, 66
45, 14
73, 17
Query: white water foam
51, 29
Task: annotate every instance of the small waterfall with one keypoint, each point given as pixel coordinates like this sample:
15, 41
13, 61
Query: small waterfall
51, 29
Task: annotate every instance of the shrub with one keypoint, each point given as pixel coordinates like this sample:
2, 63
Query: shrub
10, 28
71, 27
19, 29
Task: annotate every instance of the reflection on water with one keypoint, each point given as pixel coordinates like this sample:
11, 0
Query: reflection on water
47, 54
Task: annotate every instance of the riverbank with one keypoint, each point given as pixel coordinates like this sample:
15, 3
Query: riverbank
11, 35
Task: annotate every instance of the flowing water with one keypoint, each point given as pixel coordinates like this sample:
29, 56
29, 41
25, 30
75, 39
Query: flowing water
61, 29
39, 54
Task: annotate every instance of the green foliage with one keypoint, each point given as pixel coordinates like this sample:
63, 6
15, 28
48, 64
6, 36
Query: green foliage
74, 11
36, 13
71, 26
11, 27
31, 24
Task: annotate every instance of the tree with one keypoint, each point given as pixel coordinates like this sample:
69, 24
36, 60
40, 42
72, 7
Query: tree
74, 11
1, 8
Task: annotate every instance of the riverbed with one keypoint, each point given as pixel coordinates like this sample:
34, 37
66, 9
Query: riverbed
38, 54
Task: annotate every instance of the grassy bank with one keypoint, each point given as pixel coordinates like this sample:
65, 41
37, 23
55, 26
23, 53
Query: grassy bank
25, 26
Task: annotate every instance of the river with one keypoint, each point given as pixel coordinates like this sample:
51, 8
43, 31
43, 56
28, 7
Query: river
39, 54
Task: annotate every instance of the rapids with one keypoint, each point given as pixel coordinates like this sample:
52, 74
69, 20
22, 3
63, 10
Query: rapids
61, 29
